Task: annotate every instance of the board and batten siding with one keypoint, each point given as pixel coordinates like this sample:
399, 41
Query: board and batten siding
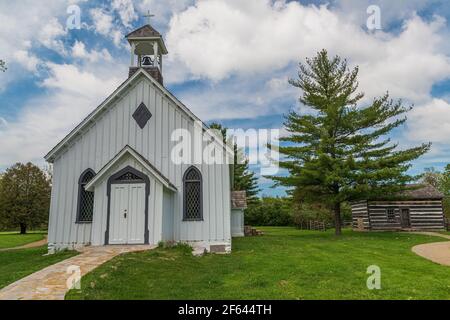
112, 130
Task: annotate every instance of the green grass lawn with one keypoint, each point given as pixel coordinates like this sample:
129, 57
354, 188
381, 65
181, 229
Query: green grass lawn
285, 263
15, 239
16, 264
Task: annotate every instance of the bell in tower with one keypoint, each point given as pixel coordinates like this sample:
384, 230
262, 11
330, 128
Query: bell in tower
147, 61
147, 50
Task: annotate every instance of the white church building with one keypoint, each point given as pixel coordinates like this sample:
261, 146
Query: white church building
114, 177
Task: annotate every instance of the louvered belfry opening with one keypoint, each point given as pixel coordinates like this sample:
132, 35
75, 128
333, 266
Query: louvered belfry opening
192, 195
85, 198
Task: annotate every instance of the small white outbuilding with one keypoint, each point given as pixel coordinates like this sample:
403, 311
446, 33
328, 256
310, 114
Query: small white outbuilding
115, 180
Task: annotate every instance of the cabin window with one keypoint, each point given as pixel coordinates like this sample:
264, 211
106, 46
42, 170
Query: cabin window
390, 212
85, 198
192, 196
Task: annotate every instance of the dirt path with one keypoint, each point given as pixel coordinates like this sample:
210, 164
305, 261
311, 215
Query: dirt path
438, 252
29, 245
51, 283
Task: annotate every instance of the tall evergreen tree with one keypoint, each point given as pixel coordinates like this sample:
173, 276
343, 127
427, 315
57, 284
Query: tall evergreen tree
25, 197
338, 152
244, 178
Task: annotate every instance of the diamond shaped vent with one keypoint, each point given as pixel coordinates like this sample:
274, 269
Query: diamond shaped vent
142, 115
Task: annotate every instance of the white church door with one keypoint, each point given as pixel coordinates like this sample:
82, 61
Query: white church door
127, 213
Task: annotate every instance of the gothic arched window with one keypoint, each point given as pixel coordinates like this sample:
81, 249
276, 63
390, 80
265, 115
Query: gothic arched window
85, 209
192, 196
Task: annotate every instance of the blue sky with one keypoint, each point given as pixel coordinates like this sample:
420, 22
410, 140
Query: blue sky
229, 61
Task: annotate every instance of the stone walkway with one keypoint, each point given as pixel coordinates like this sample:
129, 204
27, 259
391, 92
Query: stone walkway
35, 244
438, 252
50, 283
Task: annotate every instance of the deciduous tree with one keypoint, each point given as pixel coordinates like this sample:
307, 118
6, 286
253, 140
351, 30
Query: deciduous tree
25, 197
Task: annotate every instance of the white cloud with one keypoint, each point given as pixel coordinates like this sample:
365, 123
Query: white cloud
103, 22
72, 94
79, 51
248, 50
27, 60
3, 123
217, 39
50, 33
26, 25
430, 122
70, 79
104, 25
242, 98
125, 9
391, 11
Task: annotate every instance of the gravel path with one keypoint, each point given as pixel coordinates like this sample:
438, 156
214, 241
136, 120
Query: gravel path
438, 252
29, 245
50, 283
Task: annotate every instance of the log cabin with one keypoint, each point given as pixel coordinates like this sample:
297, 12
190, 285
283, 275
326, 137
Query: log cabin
417, 208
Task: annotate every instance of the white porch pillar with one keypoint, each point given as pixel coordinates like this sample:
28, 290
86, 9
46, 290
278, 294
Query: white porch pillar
155, 53
133, 47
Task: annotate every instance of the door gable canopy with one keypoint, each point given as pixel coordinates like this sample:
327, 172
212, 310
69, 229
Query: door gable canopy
128, 175
128, 151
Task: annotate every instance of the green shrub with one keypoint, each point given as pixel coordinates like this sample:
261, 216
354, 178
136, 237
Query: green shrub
286, 212
305, 212
270, 212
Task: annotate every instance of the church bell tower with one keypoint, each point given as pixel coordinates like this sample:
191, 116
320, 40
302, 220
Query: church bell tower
147, 51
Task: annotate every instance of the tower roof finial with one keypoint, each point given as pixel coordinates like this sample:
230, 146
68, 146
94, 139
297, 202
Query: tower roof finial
149, 16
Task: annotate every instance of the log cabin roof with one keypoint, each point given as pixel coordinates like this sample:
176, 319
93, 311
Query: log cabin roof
413, 192
421, 192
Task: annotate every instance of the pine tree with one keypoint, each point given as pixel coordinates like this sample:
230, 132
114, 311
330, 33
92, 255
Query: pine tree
338, 152
244, 178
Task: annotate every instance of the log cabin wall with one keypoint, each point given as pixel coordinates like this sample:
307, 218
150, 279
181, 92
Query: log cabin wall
360, 216
423, 215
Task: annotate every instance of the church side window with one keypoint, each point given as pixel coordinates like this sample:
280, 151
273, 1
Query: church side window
192, 197
85, 198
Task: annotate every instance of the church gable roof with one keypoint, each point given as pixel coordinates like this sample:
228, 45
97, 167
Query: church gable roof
116, 95
146, 31
127, 150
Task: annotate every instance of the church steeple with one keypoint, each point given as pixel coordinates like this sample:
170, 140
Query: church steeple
147, 51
